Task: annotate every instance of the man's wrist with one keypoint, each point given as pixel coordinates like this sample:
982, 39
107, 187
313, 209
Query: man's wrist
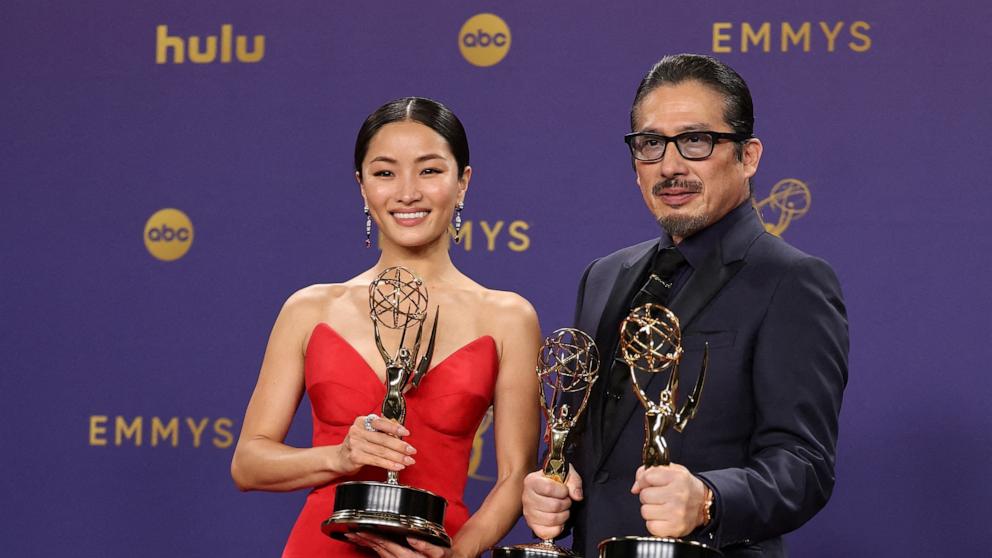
706, 510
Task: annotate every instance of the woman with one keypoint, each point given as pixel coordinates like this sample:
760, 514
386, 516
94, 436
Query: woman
412, 167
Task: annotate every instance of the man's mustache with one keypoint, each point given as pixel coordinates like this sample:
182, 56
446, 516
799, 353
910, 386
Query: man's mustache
690, 186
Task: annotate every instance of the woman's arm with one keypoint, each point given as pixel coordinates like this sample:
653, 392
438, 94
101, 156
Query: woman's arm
261, 460
517, 422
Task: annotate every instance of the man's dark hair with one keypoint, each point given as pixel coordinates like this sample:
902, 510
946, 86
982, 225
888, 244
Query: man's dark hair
678, 68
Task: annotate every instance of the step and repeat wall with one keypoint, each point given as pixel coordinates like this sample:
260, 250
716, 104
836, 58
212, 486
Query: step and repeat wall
172, 171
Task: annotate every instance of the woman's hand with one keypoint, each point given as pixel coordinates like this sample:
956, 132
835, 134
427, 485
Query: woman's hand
389, 549
373, 440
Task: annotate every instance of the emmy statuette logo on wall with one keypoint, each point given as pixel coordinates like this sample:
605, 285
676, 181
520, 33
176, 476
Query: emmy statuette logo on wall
478, 445
484, 40
228, 43
168, 234
789, 200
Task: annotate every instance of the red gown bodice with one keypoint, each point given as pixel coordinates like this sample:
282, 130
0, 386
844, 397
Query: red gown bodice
443, 414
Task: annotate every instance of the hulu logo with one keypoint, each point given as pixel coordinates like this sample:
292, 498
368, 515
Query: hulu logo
206, 52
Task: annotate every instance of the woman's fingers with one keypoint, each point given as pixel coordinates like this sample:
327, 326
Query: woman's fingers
378, 448
368, 452
387, 426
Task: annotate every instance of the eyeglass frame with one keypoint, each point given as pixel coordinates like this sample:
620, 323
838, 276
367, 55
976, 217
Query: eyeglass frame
714, 137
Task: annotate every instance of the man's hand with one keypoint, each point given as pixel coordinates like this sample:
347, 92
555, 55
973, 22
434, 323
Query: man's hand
672, 499
546, 502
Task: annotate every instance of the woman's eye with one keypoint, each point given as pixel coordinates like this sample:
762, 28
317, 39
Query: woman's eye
431, 171
383, 173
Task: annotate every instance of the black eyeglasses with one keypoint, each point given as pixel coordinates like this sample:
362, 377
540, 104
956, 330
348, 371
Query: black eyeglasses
694, 146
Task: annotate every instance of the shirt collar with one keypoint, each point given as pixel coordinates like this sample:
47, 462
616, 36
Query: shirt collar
697, 247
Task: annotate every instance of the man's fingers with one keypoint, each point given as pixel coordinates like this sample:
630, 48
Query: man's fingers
574, 483
550, 505
659, 475
661, 528
548, 519
543, 486
546, 503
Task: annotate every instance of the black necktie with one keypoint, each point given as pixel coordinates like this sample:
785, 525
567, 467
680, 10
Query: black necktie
666, 264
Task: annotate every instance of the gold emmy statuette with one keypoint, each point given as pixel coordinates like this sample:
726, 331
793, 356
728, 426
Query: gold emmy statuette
568, 363
651, 341
397, 300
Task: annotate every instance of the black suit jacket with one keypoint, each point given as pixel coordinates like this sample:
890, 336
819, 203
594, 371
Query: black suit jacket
765, 434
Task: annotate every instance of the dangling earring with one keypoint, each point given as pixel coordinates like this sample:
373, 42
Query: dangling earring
368, 228
458, 222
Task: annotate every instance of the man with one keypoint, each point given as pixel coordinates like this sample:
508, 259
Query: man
757, 460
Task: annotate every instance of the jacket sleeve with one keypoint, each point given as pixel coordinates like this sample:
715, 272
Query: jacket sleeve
799, 373
580, 297
570, 447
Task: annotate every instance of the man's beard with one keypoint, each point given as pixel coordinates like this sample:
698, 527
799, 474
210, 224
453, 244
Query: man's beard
680, 226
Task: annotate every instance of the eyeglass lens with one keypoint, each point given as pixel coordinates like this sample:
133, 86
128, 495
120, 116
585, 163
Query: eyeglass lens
691, 145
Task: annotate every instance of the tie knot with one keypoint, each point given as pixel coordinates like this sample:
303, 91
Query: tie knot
664, 267
667, 261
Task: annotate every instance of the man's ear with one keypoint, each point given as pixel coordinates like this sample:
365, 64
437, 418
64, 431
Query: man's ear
751, 157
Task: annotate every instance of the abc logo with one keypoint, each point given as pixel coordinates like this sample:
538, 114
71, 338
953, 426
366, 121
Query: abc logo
168, 234
484, 39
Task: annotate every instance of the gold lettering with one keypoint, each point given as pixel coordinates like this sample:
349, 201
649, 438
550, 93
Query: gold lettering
163, 431
197, 56
256, 55
515, 231
790, 36
124, 430
831, 34
222, 427
163, 42
720, 39
491, 233
466, 234
748, 36
98, 430
865, 43
197, 429
225, 42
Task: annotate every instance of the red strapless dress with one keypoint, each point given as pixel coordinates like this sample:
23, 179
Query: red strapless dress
443, 414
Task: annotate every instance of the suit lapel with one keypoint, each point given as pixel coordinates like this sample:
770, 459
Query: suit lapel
695, 294
608, 330
701, 287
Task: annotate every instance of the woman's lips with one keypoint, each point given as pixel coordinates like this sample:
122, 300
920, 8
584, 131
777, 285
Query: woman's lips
410, 218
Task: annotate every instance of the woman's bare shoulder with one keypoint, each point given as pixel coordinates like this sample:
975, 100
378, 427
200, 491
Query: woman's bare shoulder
507, 308
320, 298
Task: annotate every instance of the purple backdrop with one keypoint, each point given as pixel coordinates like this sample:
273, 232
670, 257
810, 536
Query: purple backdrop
124, 377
